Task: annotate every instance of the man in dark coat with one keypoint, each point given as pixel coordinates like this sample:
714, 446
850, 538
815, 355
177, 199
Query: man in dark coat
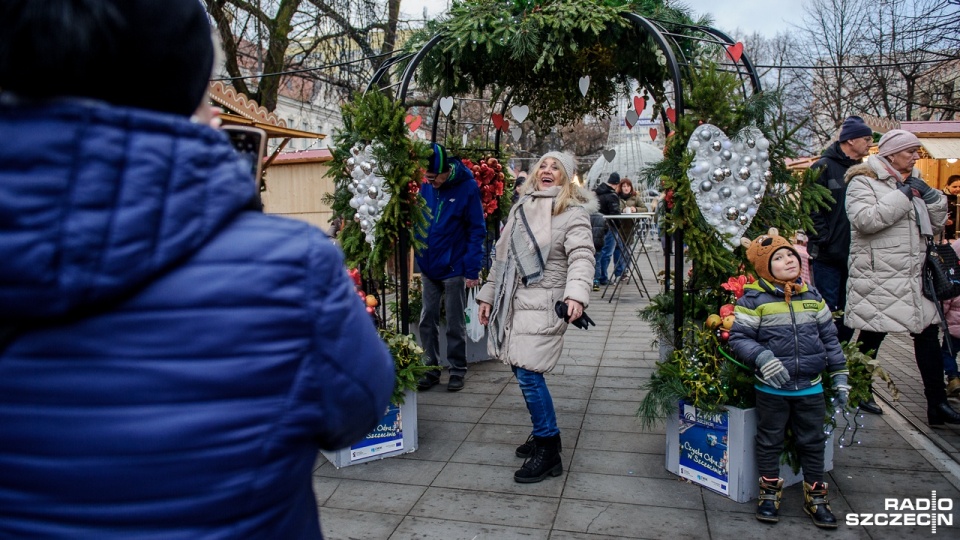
829, 244
451, 261
609, 206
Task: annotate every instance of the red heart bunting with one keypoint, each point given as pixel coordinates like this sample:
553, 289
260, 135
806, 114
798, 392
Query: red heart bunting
500, 122
735, 51
413, 122
671, 115
639, 104
653, 134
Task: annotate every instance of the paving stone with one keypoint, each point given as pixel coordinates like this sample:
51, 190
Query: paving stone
445, 412
495, 479
649, 443
625, 520
438, 396
602, 422
390, 498
337, 524
620, 463
398, 471
448, 529
746, 527
444, 428
618, 408
489, 508
632, 490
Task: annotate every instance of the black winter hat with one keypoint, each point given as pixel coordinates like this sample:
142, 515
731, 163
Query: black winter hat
138, 53
853, 128
614, 178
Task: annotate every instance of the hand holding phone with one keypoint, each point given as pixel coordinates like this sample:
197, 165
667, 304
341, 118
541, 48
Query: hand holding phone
251, 144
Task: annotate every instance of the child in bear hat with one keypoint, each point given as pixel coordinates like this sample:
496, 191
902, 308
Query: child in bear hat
785, 331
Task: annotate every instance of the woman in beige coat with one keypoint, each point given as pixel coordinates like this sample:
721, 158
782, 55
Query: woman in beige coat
891, 211
544, 256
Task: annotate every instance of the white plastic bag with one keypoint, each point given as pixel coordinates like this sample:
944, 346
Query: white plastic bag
472, 315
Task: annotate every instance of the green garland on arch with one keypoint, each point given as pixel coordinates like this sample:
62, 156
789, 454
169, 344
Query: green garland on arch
370, 118
538, 50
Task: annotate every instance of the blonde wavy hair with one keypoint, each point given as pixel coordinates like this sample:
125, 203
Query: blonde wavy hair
569, 191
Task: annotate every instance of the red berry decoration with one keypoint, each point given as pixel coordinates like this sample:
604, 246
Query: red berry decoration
490, 180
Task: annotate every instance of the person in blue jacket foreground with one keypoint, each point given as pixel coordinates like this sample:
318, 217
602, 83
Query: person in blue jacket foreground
171, 360
450, 262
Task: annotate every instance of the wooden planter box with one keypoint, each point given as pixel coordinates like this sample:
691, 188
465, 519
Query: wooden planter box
395, 435
717, 451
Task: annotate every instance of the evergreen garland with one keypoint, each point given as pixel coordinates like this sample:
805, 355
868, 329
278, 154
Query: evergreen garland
538, 50
373, 118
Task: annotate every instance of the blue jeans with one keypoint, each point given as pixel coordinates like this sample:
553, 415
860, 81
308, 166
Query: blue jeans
831, 281
539, 402
950, 360
603, 260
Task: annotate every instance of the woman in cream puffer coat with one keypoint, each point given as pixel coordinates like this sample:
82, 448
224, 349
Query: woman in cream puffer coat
889, 207
545, 255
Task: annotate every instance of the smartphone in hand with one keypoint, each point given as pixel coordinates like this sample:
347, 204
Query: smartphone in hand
251, 144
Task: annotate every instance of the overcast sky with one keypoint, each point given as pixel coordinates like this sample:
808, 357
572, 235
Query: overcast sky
764, 16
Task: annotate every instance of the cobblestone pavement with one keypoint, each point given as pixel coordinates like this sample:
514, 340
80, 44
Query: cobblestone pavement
458, 484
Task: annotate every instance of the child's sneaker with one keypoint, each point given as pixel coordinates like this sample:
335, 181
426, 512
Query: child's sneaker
596, 285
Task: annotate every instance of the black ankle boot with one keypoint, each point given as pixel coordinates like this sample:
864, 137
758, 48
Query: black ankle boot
543, 462
768, 504
525, 449
942, 413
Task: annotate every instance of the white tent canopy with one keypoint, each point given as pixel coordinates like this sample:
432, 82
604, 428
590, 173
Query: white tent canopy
631, 157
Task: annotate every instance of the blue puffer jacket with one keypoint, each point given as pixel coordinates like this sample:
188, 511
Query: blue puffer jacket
800, 334
456, 228
178, 360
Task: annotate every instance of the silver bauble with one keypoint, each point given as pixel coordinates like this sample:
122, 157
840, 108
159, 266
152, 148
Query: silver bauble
351, 163
706, 186
743, 207
763, 156
716, 146
743, 219
743, 173
755, 186
356, 217
758, 198
704, 135
363, 210
373, 191
731, 213
366, 167
767, 175
718, 175
727, 172
747, 160
725, 192
751, 143
726, 155
357, 148
364, 224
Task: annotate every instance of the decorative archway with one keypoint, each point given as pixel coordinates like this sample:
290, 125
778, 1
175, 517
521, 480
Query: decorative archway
680, 45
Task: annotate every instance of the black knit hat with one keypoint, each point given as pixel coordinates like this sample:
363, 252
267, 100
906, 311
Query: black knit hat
138, 53
614, 178
853, 128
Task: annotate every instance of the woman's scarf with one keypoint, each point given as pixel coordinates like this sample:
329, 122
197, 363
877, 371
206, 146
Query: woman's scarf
919, 206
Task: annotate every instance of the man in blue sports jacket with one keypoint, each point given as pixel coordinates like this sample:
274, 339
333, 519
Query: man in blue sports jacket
450, 263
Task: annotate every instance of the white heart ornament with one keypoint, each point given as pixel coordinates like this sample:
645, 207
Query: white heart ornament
520, 112
446, 105
728, 178
609, 155
516, 132
632, 118
584, 85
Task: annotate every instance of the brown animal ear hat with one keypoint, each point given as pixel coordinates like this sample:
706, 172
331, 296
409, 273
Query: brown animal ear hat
759, 252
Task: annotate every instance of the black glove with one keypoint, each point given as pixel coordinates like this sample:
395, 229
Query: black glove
906, 190
929, 195
584, 321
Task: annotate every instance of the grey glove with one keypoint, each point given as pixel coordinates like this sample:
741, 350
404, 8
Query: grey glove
906, 190
929, 195
842, 389
772, 370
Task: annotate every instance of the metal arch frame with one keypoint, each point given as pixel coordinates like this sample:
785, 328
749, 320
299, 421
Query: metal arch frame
654, 31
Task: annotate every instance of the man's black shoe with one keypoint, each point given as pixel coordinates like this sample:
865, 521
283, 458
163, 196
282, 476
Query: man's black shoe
427, 383
871, 406
455, 384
